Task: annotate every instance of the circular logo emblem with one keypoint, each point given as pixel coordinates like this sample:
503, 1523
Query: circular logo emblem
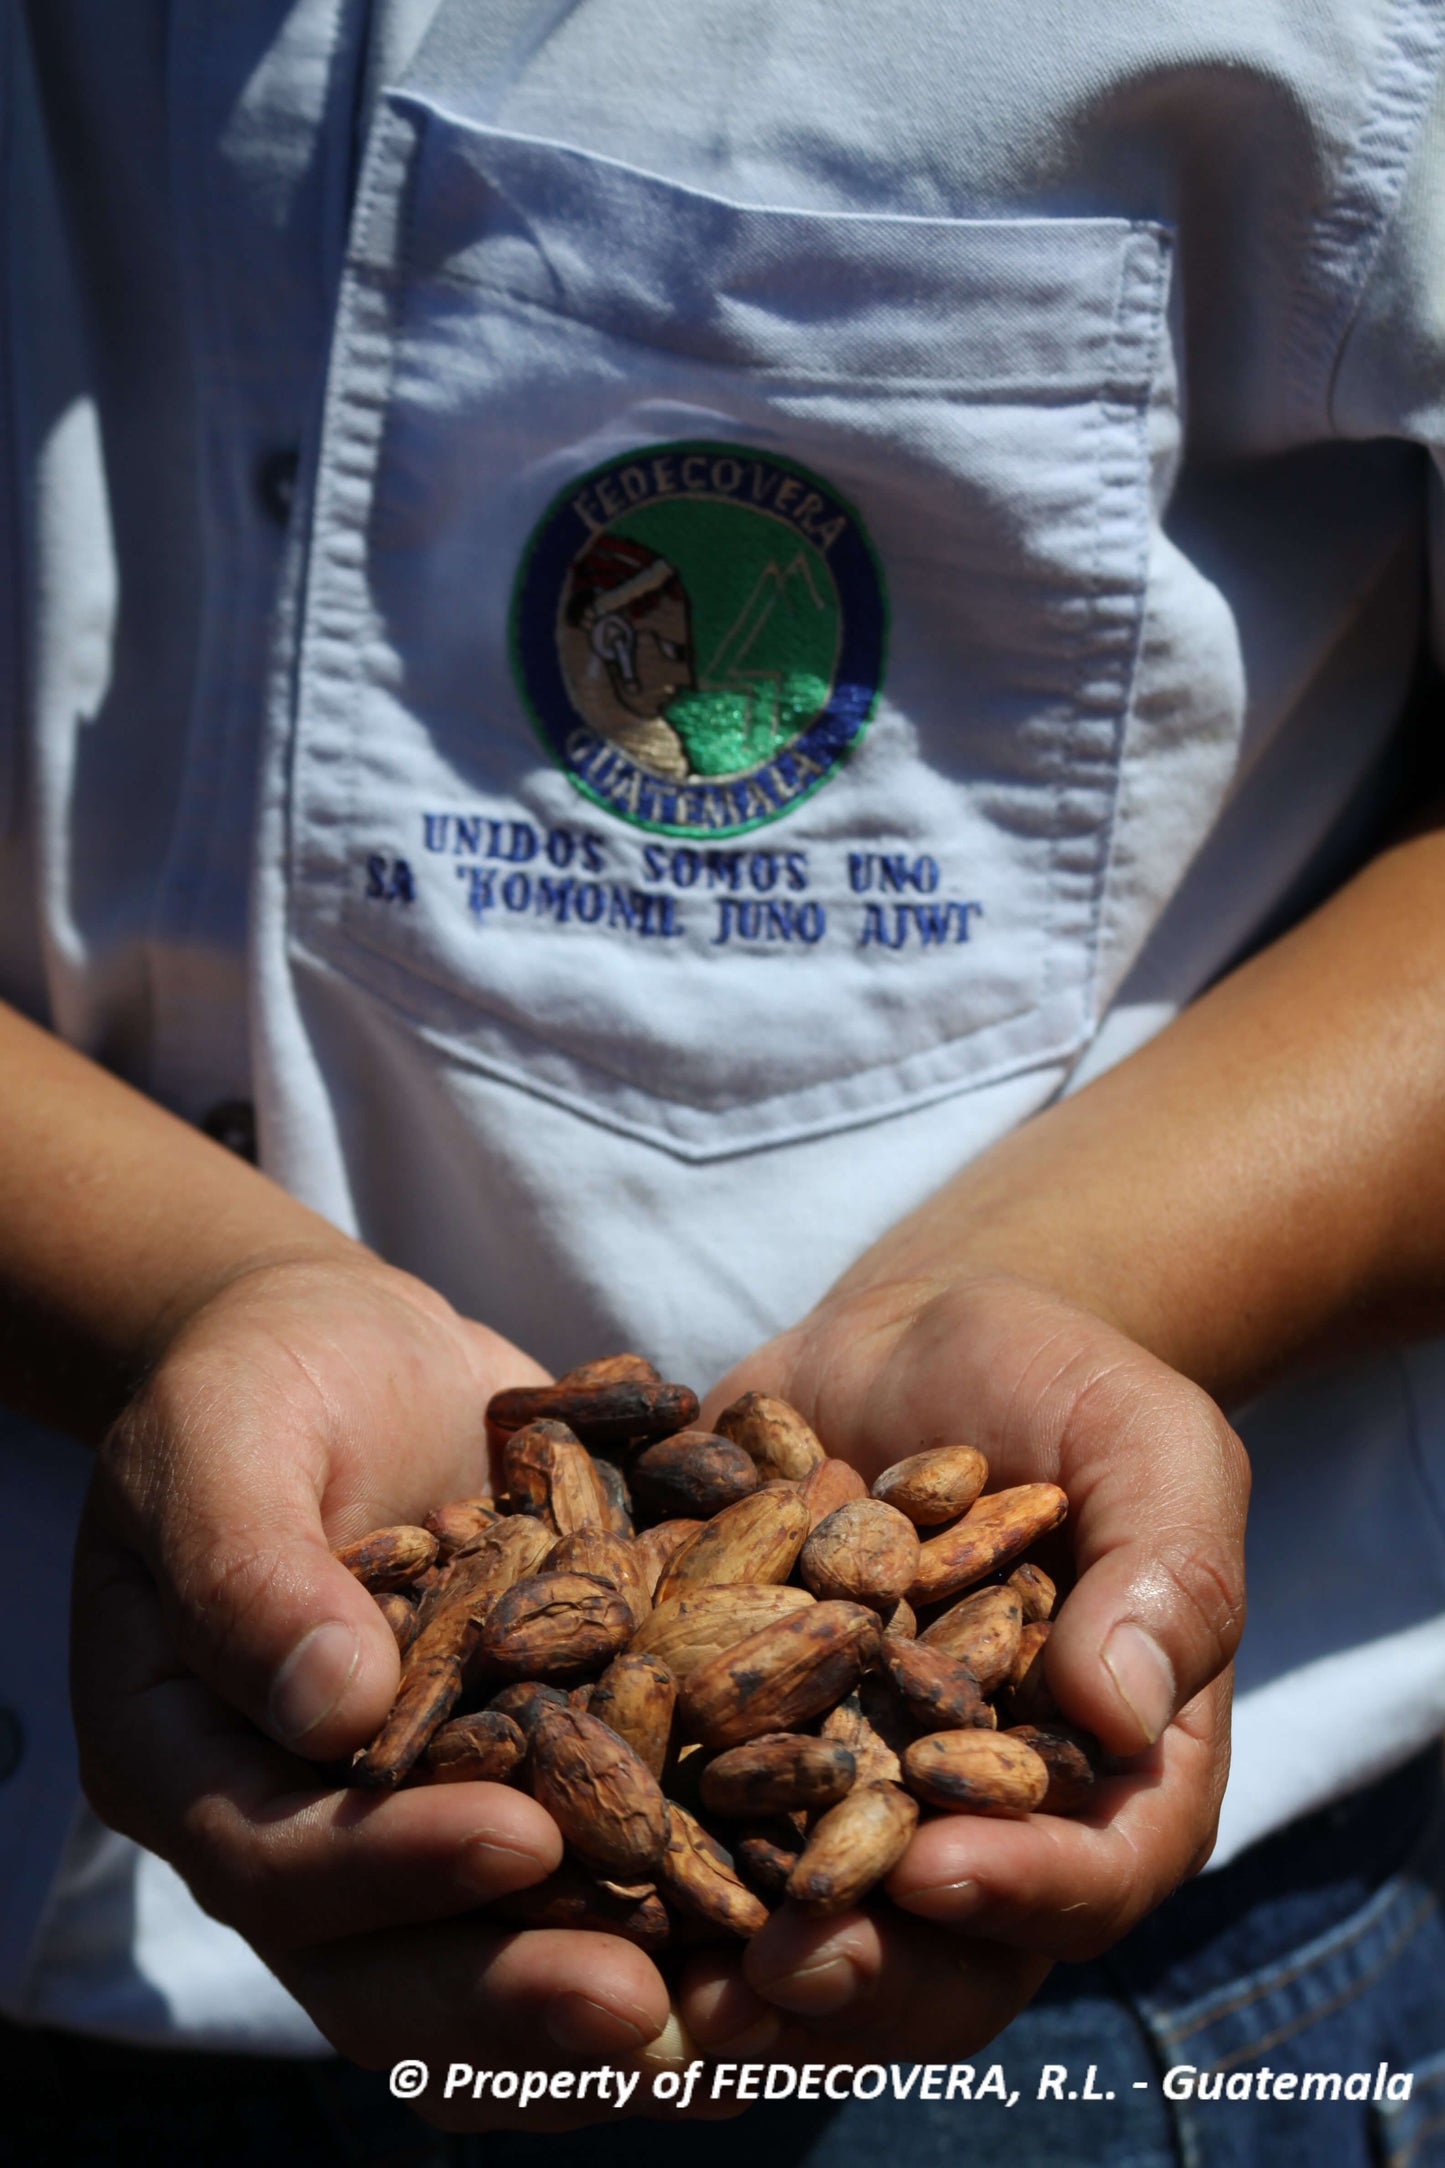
697, 632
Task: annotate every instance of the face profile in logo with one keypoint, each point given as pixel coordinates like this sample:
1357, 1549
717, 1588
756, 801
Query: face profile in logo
697, 635
626, 642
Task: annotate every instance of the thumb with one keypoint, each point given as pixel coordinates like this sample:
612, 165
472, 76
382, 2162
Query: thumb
223, 1506
1158, 1485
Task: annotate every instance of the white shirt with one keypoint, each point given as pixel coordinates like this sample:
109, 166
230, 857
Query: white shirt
840, 570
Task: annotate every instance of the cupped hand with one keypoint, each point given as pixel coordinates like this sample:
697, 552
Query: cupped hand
219, 1653
1157, 1485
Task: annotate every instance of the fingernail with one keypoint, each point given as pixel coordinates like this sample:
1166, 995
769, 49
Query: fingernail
580, 2026
313, 1679
946, 1901
671, 2049
1143, 1675
819, 1989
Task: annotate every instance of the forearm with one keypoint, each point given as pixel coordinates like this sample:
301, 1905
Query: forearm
116, 1219
1265, 1177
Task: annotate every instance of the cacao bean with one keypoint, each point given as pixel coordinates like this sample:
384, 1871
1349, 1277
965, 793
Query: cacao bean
875, 1751
779, 1677
424, 1700
831, 1484
553, 1478
457, 1523
554, 1626
766, 1855
938, 1692
754, 1541
690, 1630
613, 1370
616, 1499
776, 1774
604, 1799
1068, 1755
1035, 1591
485, 1565
976, 1772
657, 1545
774, 1434
1030, 1700
389, 1557
982, 1632
934, 1486
864, 1552
695, 1473
524, 1700
994, 1530
698, 1876
481, 1749
400, 1616
637, 1695
853, 1847
610, 1415
606, 1558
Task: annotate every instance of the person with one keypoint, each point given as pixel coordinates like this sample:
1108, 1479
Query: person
1019, 1022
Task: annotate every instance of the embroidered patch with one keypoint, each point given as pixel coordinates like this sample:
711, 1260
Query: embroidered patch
698, 635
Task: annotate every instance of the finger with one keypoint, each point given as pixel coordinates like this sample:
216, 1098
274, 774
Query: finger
1071, 1886
459, 1993
230, 1527
867, 1982
1159, 1486
262, 1846
725, 2016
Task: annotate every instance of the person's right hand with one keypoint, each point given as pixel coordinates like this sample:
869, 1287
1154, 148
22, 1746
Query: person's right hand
219, 1653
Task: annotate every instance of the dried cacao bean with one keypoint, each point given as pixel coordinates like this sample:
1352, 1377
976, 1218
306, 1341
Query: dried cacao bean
637, 1696
554, 1626
774, 1434
994, 1530
604, 1799
606, 1558
938, 1692
779, 1677
864, 1552
389, 1557
934, 1486
607, 1416
693, 1474
779, 1773
484, 1748
756, 1540
690, 1630
982, 1632
699, 1877
853, 1847
976, 1772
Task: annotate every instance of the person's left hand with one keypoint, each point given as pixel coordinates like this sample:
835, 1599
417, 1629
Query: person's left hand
1157, 1484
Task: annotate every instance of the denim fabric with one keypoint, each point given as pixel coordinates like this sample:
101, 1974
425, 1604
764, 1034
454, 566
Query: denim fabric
1321, 1950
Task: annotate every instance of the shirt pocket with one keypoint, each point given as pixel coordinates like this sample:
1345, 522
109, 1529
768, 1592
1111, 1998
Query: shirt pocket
719, 630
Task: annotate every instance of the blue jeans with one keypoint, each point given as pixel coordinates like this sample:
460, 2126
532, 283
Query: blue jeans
1319, 1953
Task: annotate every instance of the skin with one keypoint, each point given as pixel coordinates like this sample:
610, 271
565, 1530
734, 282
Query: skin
1264, 1179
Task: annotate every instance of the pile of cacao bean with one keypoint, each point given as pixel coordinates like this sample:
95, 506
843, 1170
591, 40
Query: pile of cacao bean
729, 1672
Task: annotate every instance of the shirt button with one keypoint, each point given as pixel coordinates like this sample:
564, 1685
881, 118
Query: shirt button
233, 1123
276, 484
12, 1743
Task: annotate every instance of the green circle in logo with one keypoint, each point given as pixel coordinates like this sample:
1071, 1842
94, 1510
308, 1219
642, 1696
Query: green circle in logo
698, 634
